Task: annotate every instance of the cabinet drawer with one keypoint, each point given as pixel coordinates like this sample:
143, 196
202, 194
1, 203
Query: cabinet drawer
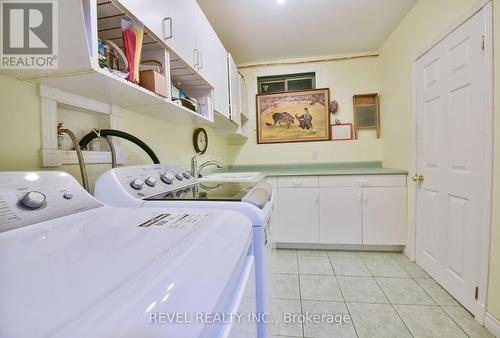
297, 181
363, 181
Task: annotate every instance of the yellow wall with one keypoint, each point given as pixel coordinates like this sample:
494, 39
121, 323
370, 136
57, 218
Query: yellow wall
344, 78
20, 136
423, 24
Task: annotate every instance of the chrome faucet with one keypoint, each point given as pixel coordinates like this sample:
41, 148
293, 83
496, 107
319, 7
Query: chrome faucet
196, 169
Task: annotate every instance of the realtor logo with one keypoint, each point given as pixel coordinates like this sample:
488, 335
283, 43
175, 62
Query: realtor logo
28, 34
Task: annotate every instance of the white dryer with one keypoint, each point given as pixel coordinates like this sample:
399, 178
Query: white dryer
160, 185
73, 267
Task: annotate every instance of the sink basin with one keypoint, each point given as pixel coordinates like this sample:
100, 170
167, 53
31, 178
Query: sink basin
231, 177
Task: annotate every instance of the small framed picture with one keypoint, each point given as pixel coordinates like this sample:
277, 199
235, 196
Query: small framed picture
341, 132
366, 113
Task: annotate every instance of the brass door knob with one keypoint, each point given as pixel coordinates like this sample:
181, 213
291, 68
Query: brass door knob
418, 178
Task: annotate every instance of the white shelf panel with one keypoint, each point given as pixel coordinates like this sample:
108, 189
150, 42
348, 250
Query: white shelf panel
106, 87
173, 113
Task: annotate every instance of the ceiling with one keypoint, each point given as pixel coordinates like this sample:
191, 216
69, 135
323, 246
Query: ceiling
263, 30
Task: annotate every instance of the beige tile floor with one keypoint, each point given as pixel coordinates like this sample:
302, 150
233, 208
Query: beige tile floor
362, 294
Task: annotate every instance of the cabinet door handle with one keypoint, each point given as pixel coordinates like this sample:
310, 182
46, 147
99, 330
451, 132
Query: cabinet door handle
196, 57
170, 34
360, 196
297, 184
365, 198
200, 60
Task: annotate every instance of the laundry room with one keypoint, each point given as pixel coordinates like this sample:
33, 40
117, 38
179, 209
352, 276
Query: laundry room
252, 168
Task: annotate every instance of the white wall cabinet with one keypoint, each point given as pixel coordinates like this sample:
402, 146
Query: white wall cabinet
353, 210
234, 91
243, 98
219, 77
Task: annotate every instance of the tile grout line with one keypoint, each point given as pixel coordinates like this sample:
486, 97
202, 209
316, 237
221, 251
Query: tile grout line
430, 296
300, 291
460, 326
392, 305
342, 294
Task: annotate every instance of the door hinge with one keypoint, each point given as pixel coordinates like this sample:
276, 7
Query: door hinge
476, 292
482, 42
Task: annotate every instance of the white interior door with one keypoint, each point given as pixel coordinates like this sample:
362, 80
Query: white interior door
450, 156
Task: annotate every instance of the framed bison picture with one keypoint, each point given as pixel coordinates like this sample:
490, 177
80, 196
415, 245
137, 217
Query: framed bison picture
297, 116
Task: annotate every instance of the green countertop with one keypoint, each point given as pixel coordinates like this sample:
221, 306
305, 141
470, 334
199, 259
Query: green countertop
319, 169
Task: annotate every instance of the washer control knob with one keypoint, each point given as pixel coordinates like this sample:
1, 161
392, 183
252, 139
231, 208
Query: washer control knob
179, 176
151, 181
186, 174
137, 184
34, 200
167, 178
67, 195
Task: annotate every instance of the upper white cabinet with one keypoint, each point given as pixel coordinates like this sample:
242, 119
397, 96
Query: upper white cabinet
234, 91
173, 21
219, 77
243, 98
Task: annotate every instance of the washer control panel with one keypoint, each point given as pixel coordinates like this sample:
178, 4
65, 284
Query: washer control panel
33, 197
147, 180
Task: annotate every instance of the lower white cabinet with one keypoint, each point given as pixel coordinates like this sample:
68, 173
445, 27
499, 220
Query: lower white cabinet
340, 215
298, 215
355, 210
384, 215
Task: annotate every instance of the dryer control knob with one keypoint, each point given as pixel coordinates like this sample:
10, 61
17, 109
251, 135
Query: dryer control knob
167, 178
179, 176
34, 200
151, 181
186, 174
137, 184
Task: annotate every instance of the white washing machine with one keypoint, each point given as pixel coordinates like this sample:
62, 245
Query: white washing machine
158, 185
73, 267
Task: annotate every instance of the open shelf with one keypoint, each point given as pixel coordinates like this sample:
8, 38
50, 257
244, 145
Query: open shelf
79, 72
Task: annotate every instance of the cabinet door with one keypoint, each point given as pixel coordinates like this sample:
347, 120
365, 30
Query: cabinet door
298, 215
243, 97
183, 36
156, 20
234, 90
340, 215
384, 216
215, 70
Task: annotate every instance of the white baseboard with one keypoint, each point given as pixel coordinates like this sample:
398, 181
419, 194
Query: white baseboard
492, 324
480, 312
410, 253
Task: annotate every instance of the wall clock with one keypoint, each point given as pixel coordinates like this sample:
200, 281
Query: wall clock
200, 140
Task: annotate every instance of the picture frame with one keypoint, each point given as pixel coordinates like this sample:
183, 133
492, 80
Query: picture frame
366, 108
341, 132
295, 116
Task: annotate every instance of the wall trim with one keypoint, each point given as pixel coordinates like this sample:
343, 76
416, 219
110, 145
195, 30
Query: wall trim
492, 324
486, 6
51, 100
328, 58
